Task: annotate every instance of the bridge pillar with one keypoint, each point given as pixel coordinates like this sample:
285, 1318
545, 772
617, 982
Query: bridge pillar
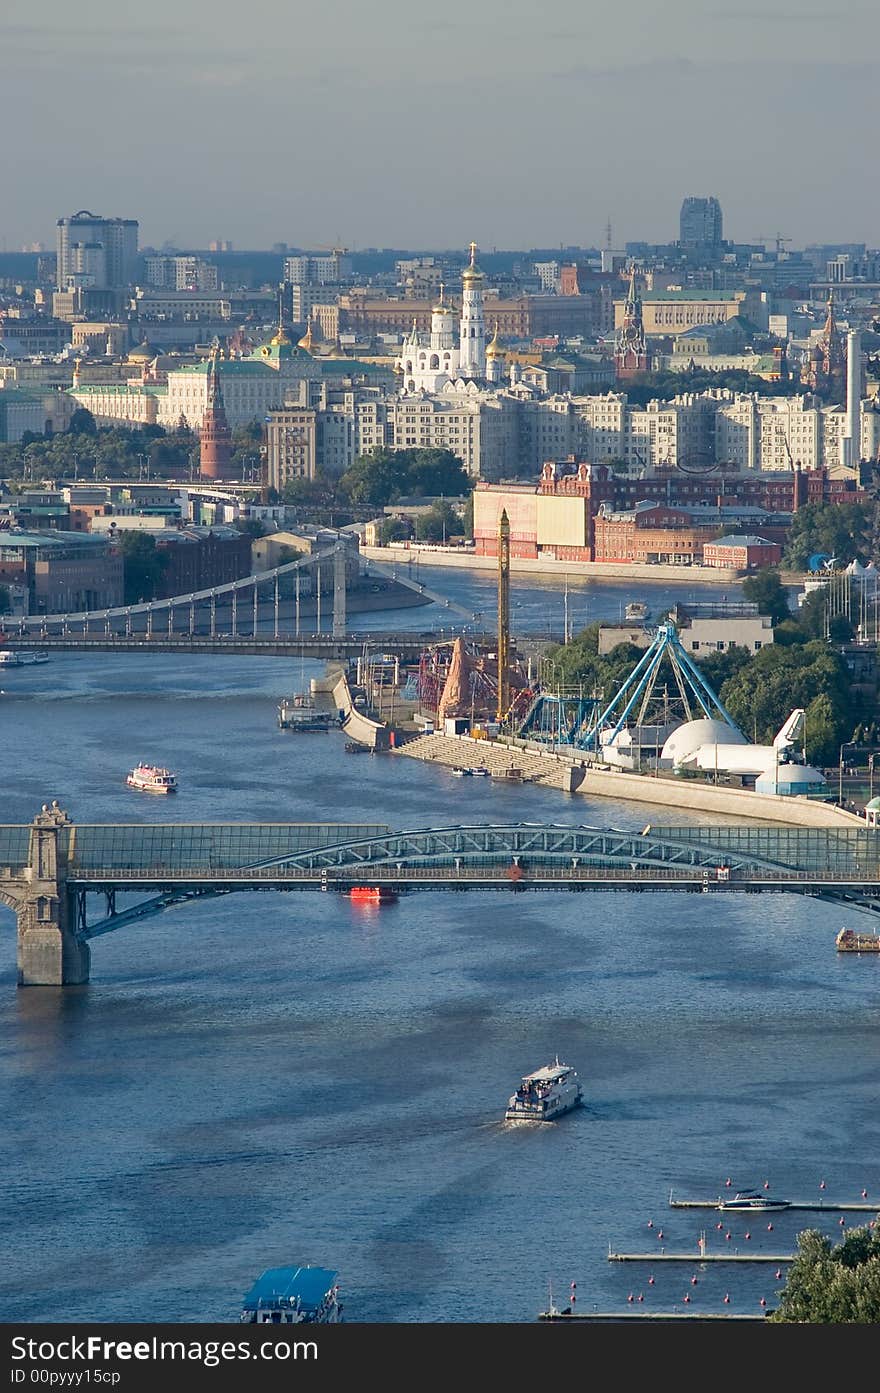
49, 952
339, 614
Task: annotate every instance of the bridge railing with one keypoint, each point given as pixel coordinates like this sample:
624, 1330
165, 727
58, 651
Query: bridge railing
372, 872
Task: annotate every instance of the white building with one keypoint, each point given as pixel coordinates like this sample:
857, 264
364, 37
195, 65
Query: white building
428, 362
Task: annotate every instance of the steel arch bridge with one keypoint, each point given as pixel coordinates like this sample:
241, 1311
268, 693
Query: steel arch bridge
521, 856
53, 871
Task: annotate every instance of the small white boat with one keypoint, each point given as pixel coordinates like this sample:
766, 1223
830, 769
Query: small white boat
545, 1095
152, 778
636, 609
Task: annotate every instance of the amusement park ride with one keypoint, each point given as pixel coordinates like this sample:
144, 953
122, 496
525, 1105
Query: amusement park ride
664, 714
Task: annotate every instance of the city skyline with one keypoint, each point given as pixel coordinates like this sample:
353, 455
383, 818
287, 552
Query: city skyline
379, 130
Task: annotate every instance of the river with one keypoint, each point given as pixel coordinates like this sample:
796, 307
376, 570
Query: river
265, 1079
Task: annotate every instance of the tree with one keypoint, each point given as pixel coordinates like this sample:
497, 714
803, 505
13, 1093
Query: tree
82, 422
394, 530
842, 530
142, 563
439, 524
766, 590
436, 474
833, 1286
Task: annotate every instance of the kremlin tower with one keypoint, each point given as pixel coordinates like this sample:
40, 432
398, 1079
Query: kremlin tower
216, 437
630, 349
825, 369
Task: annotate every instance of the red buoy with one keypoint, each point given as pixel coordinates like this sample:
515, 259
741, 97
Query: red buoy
630, 1297
727, 1298
778, 1273
659, 1233
719, 1226
864, 1194
728, 1181
693, 1281
763, 1302
766, 1184
650, 1223
727, 1236
651, 1280
686, 1297
641, 1298
821, 1184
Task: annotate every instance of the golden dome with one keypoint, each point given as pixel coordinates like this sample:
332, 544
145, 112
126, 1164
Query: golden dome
279, 339
472, 271
441, 307
495, 348
307, 341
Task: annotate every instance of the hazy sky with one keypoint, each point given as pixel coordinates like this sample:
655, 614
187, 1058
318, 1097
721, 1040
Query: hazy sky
395, 123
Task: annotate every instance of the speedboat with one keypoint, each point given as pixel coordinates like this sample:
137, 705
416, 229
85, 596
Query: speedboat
749, 1200
545, 1095
152, 778
293, 1295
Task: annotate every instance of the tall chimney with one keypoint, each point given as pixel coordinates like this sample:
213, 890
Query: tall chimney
851, 442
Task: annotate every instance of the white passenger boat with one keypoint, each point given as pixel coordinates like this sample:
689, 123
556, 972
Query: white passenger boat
545, 1095
21, 658
293, 1295
152, 778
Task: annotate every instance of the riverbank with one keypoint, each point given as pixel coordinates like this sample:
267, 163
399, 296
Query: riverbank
522, 763
455, 559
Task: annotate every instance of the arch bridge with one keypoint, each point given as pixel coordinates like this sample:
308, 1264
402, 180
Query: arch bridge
66, 882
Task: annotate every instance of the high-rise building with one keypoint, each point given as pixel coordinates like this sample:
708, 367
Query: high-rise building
700, 223
78, 239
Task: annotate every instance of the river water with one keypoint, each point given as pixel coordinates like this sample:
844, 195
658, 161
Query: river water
265, 1079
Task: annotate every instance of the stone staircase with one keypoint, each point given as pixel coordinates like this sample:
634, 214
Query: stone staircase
462, 752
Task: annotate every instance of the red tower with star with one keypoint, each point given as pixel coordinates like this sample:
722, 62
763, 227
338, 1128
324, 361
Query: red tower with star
215, 455
630, 348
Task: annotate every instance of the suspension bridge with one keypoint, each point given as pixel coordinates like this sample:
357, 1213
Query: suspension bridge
262, 613
66, 882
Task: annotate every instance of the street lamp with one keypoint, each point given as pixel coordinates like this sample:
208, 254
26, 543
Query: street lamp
870, 777
840, 772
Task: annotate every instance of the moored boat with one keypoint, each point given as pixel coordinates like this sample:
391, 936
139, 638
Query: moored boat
152, 778
848, 941
752, 1200
293, 1295
545, 1095
300, 713
21, 657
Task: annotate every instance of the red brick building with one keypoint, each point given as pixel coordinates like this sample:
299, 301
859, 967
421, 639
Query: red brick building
743, 553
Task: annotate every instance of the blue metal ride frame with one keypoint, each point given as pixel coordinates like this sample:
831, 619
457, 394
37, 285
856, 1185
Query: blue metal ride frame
561, 728
666, 643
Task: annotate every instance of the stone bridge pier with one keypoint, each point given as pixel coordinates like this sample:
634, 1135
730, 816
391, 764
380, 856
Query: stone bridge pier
49, 952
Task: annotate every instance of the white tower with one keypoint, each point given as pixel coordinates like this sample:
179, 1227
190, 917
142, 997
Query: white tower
472, 346
851, 441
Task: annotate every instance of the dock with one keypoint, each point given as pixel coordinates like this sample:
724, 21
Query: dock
698, 1257
611, 1317
815, 1206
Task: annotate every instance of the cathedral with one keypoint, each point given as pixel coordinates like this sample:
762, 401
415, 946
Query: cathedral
430, 362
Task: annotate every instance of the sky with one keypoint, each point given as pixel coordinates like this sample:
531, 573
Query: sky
397, 124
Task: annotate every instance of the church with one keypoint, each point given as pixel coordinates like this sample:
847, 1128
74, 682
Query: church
431, 362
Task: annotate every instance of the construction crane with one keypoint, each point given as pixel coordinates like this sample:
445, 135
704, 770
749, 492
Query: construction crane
778, 239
